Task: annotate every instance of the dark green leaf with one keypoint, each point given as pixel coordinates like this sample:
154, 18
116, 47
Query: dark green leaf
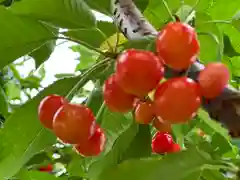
141, 145
30, 35
62, 13
95, 100
23, 136
3, 103
172, 167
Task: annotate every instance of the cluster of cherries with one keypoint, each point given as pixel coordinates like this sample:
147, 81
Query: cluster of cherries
73, 124
138, 85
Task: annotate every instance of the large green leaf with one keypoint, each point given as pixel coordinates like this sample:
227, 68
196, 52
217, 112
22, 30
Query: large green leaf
19, 37
120, 130
93, 36
172, 167
63, 13
210, 49
23, 135
43, 53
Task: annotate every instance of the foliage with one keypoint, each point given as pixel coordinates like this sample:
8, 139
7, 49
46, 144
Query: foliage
30, 30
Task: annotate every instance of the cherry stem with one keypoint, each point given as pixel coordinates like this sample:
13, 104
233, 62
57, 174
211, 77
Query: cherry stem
168, 10
85, 77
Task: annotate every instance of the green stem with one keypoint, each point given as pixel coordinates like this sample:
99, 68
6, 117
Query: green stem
216, 41
168, 10
99, 114
106, 39
85, 75
216, 21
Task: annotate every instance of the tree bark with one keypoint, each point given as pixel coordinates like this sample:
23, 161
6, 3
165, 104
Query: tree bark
225, 108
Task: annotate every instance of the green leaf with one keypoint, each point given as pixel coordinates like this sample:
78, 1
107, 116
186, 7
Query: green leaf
210, 49
3, 103
43, 53
93, 36
120, 130
95, 100
141, 145
176, 166
36, 175
236, 20
23, 136
13, 90
229, 50
157, 13
87, 57
220, 138
62, 13
75, 167
29, 33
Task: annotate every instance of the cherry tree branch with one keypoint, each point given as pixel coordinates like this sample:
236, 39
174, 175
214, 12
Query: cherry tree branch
225, 108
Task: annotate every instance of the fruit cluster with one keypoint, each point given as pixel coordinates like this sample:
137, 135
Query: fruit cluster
73, 124
138, 84
139, 73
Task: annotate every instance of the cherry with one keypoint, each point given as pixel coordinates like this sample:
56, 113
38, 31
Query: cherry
74, 123
48, 107
138, 71
115, 98
162, 126
175, 148
94, 146
177, 45
177, 100
48, 168
162, 143
144, 112
213, 79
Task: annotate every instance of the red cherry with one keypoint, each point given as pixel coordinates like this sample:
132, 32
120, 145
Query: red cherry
213, 79
175, 148
48, 107
162, 143
177, 45
177, 100
115, 98
94, 146
48, 168
162, 126
144, 113
74, 123
138, 71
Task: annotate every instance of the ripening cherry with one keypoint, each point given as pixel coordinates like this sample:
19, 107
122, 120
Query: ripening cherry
175, 148
115, 98
48, 107
213, 79
177, 45
94, 146
177, 100
162, 126
48, 168
74, 123
144, 112
138, 71
162, 143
